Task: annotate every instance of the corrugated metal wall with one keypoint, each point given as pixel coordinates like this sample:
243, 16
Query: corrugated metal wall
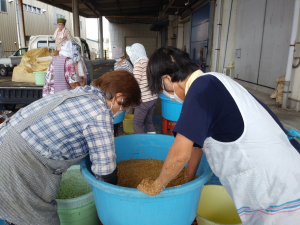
263, 30
52, 12
35, 24
8, 29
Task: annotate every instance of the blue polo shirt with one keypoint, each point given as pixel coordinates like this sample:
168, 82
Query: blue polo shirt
210, 111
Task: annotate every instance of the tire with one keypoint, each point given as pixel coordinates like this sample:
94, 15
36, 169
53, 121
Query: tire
3, 71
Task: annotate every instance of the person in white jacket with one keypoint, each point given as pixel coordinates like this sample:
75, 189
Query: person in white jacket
144, 112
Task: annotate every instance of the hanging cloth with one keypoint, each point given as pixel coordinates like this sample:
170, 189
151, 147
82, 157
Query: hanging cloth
61, 33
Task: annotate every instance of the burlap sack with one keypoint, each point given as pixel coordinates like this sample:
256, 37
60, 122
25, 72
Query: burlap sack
29, 64
278, 93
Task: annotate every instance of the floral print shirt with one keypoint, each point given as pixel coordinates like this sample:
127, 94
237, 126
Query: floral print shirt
70, 76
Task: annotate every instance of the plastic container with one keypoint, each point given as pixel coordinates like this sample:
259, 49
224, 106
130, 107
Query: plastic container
127, 124
124, 206
2, 222
292, 133
216, 207
79, 210
39, 78
119, 118
214, 180
170, 110
86, 214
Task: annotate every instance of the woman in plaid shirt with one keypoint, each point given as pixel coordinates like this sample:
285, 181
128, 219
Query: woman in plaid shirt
45, 138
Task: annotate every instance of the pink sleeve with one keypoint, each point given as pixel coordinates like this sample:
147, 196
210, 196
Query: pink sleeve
47, 85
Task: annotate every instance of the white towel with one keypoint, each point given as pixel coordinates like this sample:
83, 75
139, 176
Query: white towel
61, 33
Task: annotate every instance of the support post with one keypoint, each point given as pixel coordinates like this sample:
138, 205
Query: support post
76, 24
22, 41
290, 55
100, 37
179, 39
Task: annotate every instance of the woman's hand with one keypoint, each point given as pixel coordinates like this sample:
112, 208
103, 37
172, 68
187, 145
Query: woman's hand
83, 82
193, 164
179, 154
150, 187
74, 85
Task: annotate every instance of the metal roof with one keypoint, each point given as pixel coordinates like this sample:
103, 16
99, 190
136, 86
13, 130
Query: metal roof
127, 11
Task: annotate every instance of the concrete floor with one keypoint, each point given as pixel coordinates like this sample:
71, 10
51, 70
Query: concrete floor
289, 118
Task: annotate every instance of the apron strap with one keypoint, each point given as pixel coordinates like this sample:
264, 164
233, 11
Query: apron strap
31, 119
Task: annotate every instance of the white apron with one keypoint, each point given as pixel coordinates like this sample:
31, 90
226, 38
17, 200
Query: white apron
260, 170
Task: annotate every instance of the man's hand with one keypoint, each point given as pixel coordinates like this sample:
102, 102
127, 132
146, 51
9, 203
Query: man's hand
150, 187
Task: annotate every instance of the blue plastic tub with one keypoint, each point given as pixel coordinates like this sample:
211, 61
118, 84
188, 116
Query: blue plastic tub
119, 118
292, 133
2, 222
170, 110
129, 206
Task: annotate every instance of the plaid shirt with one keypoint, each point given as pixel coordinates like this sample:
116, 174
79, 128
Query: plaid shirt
75, 127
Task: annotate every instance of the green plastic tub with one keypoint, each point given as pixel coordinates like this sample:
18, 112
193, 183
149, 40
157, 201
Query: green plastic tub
39, 78
75, 200
85, 215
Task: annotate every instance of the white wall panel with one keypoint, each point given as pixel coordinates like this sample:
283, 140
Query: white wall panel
275, 47
248, 38
118, 33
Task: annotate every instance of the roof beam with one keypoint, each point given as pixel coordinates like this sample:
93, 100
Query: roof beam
145, 11
61, 6
128, 4
91, 7
61, 1
129, 8
118, 6
168, 6
176, 7
132, 17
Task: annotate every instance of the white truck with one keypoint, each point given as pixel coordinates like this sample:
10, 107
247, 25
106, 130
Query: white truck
8, 63
12, 93
41, 41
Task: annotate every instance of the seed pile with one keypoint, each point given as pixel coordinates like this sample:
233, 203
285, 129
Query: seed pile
73, 185
132, 172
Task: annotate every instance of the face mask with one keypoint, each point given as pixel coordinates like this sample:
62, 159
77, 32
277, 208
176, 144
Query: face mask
118, 60
174, 97
120, 110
